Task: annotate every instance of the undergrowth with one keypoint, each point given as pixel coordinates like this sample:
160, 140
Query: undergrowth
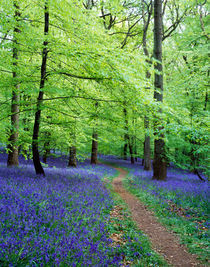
187, 218
133, 244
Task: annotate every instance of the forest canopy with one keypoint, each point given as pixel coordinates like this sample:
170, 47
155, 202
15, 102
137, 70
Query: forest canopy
81, 76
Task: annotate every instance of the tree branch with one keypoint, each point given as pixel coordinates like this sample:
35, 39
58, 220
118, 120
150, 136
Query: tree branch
82, 97
79, 76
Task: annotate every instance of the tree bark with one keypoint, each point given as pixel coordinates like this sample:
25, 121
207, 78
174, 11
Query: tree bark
46, 148
46, 154
147, 158
126, 137
36, 159
12, 159
131, 150
206, 95
72, 157
73, 150
125, 148
94, 152
147, 149
159, 162
135, 149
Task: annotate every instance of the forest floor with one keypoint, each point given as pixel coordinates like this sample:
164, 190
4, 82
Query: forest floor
164, 242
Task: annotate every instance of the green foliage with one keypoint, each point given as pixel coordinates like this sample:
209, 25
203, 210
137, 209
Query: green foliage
97, 57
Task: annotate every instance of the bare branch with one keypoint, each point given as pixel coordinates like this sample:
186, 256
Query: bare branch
173, 27
202, 23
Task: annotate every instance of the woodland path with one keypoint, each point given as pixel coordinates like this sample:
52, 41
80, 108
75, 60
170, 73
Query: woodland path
164, 242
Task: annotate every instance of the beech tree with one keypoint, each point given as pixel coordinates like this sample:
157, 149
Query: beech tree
73, 148
13, 136
146, 21
159, 162
36, 159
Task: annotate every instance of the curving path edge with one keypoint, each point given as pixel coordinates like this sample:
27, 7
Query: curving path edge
164, 242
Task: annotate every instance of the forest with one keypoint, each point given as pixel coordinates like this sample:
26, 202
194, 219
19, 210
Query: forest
90, 89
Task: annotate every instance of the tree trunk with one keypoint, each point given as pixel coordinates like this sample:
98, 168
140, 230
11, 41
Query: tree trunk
126, 137
159, 162
135, 149
46, 147
72, 157
36, 159
125, 149
147, 159
46, 151
147, 150
13, 138
94, 152
46, 154
131, 150
12, 159
206, 95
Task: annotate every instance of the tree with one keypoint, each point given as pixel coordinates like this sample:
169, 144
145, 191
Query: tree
146, 21
159, 162
126, 136
73, 149
94, 149
72, 157
36, 159
13, 137
46, 151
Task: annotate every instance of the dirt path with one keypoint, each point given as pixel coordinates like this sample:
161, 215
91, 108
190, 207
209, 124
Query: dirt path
163, 241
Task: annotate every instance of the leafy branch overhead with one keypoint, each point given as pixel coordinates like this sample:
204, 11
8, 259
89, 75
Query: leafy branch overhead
90, 67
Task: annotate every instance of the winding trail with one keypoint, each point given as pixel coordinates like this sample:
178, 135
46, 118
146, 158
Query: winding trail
164, 242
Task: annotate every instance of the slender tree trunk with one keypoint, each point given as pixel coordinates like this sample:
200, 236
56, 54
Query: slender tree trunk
36, 159
147, 150
147, 158
159, 162
195, 160
131, 150
206, 95
135, 149
26, 121
131, 154
46, 153
126, 137
46, 147
13, 138
94, 152
73, 150
125, 148
72, 157
176, 154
